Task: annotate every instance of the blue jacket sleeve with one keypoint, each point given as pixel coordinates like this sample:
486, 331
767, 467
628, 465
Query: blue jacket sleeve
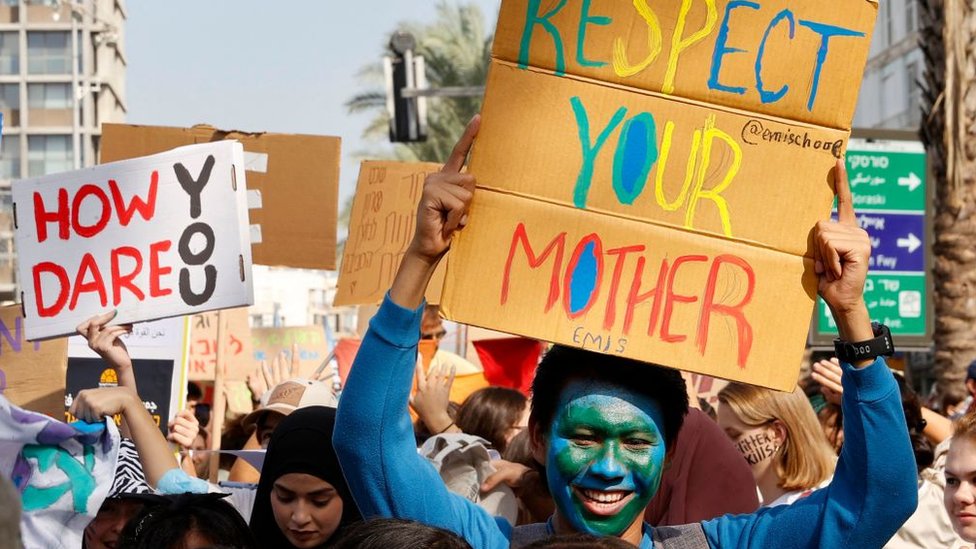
874, 489
375, 444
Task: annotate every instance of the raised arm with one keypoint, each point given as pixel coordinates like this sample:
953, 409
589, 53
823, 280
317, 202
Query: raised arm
374, 437
93, 405
874, 487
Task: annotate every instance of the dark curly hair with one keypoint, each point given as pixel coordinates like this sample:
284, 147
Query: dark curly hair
562, 365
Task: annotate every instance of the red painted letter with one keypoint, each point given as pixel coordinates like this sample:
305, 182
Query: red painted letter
62, 276
95, 285
42, 217
634, 297
743, 328
618, 268
120, 280
671, 297
91, 230
558, 244
146, 208
155, 270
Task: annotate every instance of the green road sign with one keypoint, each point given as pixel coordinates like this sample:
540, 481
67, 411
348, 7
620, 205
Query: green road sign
888, 183
896, 300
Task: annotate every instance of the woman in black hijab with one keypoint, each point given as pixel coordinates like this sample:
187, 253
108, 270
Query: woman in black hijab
302, 499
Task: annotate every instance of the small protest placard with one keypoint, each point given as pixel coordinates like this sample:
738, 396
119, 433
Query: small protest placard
237, 354
159, 352
31, 373
381, 225
649, 176
308, 341
154, 237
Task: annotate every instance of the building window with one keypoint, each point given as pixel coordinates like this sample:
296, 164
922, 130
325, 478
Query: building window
10, 104
10, 157
889, 24
9, 53
911, 16
48, 53
49, 154
914, 91
49, 96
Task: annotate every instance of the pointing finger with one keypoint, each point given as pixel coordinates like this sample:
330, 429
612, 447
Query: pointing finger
845, 202
456, 161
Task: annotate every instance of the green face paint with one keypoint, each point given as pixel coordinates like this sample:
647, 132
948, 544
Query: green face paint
605, 457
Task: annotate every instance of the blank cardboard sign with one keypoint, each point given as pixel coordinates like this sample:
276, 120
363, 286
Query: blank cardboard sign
649, 175
32, 374
293, 184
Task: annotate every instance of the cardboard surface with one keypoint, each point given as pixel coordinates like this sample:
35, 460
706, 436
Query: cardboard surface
31, 373
707, 305
703, 51
632, 202
238, 354
296, 176
312, 346
154, 237
384, 215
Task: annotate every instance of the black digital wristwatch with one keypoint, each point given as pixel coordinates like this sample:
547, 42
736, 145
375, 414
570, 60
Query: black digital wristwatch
866, 350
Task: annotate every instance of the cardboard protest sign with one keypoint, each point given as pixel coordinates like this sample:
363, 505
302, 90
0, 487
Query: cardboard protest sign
31, 373
62, 472
649, 177
384, 215
155, 237
312, 346
292, 183
237, 355
159, 352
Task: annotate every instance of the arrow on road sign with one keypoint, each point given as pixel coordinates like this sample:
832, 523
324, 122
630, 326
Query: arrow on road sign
912, 181
911, 243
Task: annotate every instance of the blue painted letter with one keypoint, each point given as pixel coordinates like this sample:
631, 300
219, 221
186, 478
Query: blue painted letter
765, 95
721, 48
826, 31
636, 153
590, 151
586, 20
532, 19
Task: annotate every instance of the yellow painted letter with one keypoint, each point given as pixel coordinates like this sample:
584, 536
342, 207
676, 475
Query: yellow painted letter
679, 44
715, 193
621, 66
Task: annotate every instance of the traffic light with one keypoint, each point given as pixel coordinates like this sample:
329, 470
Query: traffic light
405, 71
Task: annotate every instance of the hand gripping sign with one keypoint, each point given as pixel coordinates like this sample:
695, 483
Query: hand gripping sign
152, 237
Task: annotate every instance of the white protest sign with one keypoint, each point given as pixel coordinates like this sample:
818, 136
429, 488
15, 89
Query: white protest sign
154, 237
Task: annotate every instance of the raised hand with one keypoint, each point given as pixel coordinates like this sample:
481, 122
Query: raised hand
443, 210
183, 429
433, 396
827, 373
841, 253
92, 405
105, 341
444, 205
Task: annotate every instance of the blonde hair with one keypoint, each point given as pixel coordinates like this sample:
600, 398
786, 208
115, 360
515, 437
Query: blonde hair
965, 427
805, 459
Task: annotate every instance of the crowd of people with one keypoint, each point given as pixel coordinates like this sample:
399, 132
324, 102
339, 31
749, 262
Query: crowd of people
605, 451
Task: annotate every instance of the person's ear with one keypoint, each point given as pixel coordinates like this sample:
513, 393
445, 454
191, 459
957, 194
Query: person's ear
971, 386
778, 432
539, 443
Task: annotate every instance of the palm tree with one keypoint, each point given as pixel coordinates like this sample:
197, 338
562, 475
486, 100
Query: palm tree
948, 41
456, 49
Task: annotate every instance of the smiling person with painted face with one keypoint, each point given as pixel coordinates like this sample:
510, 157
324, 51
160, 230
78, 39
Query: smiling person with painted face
602, 425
